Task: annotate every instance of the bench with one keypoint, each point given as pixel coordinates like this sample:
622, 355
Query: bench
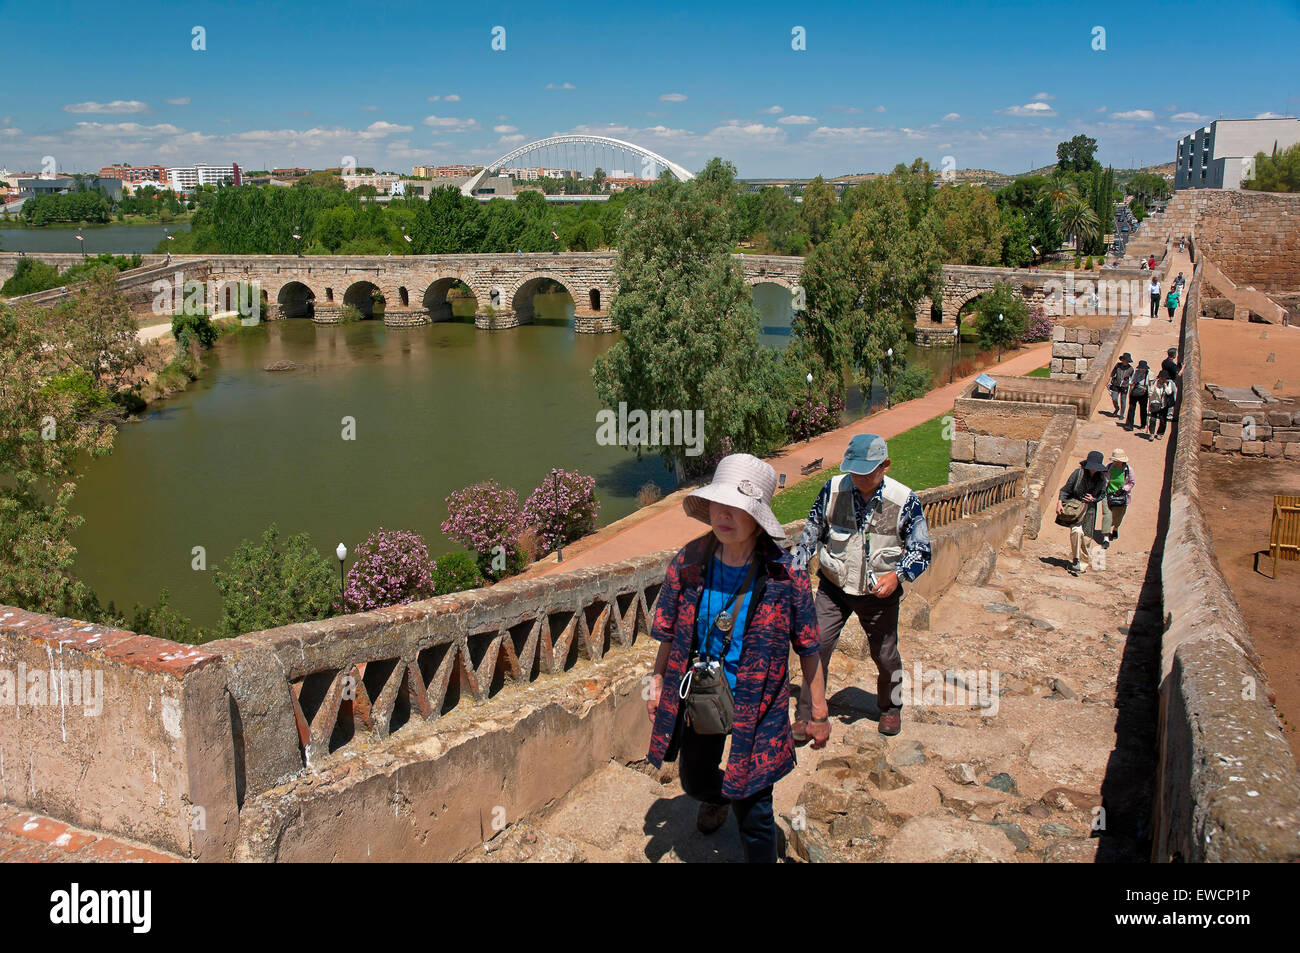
1284, 538
811, 467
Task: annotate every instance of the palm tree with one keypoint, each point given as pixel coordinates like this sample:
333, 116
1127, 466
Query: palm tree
1079, 220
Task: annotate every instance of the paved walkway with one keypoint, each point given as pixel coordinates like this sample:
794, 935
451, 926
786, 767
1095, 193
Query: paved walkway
34, 838
668, 527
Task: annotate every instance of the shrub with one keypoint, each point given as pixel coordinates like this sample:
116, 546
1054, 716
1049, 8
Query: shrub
483, 517
273, 582
194, 328
911, 382
392, 567
456, 572
649, 493
811, 416
563, 508
130, 400
163, 622
1013, 312
81, 387
1088, 264
351, 314
1039, 329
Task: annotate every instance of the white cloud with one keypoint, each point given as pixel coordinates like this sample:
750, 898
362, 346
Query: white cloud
1271, 115
451, 98
1142, 115
504, 129
878, 109
560, 86
846, 109
951, 117
673, 98
511, 140
1029, 109
846, 133
451, 123
797, 120
126, 129
772, 110
1188, 117
1042, 97
377, 129
116, 107
180, 101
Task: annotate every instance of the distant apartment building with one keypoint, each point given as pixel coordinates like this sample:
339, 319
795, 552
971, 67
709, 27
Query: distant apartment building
445, 171
383, 182
132, 175
289, 173
619, 180
187, 178
1222, 154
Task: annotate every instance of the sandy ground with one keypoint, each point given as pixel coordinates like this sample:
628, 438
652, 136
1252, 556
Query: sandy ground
1239, 354
1237, 497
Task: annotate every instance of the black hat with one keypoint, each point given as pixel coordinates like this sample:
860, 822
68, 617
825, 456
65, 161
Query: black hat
1095, 461
1126, 357
1143, 364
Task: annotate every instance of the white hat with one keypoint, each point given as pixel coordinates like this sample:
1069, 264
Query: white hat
742, 481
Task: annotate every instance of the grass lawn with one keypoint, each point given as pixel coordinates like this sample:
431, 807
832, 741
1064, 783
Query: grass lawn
1044, 371
918, 458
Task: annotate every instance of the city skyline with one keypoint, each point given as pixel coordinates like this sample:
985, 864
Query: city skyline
870, 88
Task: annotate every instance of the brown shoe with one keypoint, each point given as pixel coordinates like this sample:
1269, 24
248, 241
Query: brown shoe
711, 816
891, 722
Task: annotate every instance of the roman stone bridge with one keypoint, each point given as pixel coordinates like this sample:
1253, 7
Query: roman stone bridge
419, 289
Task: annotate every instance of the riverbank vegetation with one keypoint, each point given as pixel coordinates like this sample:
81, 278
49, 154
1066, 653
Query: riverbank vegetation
32, 275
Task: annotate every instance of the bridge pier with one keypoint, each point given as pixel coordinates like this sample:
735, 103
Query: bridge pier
407, 318
500, 320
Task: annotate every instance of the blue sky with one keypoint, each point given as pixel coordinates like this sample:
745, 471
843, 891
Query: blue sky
992, 85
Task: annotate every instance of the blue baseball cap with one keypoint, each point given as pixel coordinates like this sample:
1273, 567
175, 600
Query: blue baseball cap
865, 452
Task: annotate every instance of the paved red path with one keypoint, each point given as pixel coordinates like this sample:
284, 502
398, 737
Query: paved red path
671, 528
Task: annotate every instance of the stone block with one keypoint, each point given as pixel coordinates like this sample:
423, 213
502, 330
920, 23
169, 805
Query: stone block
1091, 350
1273, 449
1067, 350
1058, 333
1291, 451
1006, 451
1230, 430
1228, 444
1209, 413
1290, 435
1057, 363
1278, 418
957, 472
963, 446
1207, 438
1081, 365
1252, 448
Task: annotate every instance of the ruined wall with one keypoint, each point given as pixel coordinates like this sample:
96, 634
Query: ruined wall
1272, 431
1227, 788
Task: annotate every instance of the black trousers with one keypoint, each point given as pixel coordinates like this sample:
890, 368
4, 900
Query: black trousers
701, 774
1140, 405
1155, 306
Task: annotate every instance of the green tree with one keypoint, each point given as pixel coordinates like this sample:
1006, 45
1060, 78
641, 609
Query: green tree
98, 333
689, 327
1279, 172
967, 224
163, 622
1148, 187
817, 210
778, 219
43, 435
1077, 155
273, 582
863, 285
321, 179
1000, 317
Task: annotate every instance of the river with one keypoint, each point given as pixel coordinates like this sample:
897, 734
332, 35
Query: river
113, 239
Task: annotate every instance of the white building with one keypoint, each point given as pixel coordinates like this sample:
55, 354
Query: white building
187, 178
381, 181
1222, 154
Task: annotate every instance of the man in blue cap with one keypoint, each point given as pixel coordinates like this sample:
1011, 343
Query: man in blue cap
869, 534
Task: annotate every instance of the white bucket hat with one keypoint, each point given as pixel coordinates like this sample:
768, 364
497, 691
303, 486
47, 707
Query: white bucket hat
744, 482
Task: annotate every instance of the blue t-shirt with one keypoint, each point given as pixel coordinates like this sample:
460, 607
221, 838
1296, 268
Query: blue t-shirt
720, 588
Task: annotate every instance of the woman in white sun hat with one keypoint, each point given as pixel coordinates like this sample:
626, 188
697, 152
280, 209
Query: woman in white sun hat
732, 605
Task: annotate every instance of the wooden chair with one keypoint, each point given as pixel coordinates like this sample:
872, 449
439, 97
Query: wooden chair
1284, 538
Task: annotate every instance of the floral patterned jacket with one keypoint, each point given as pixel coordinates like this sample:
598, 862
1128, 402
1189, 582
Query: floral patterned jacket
781, 615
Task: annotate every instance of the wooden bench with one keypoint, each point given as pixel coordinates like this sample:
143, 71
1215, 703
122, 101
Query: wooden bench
811, 467
1284, 538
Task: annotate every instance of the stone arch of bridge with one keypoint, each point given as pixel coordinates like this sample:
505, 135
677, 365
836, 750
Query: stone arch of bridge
360, 294
520, 299
296, 299
434, 299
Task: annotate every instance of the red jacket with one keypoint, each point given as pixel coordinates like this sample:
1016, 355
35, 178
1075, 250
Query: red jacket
781, 615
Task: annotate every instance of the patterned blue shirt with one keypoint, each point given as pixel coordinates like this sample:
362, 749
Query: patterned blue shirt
912, 530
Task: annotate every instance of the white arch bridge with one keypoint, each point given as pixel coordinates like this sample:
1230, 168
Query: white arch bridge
584, 146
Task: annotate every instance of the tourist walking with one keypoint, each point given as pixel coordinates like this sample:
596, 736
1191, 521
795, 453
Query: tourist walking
731, 608
1139, 387
1170, 364
1161, 403
869, 534
1171, 301
1154, 289
1120, 376
1119, 490
1087, 484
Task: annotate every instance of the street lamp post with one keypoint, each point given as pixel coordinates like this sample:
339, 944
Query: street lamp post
808, 408
342, 553
999, 339
83, 247
298, 239
956, 343
889, 377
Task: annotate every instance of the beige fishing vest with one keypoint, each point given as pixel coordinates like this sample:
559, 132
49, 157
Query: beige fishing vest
847, 556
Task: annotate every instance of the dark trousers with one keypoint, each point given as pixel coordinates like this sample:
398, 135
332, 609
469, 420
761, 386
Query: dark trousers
1140, 405
700, 768
879, 618
1155, 306
1161, 414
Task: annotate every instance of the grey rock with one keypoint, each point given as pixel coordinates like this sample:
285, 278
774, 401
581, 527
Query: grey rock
850, 826
1014, 834
1052, 829
1003, 782
907, 752
1000, 607
979, 569
1062, 688
885, 777
961, 773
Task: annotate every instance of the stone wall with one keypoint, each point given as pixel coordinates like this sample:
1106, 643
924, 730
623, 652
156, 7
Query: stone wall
1254, 237
1272, 431
1227, 788
1073, 351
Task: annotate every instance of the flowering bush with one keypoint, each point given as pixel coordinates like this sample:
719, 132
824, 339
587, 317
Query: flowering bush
1039, 329
811, 416
563, 508
392, 567
482, 517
